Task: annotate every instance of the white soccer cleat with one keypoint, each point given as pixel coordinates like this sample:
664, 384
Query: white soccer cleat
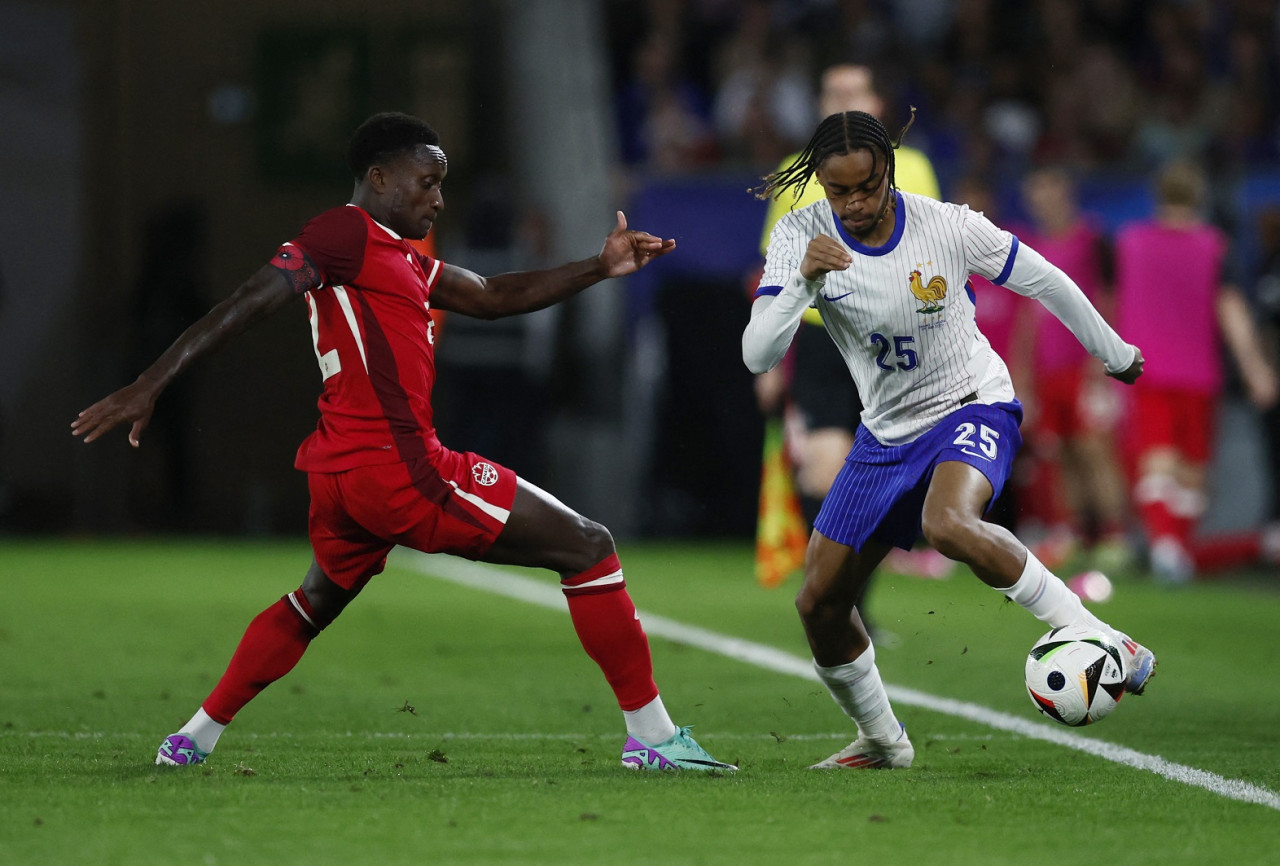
865, 754
1139, 664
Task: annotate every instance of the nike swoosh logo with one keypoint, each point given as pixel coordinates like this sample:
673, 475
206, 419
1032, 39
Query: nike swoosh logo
702, 763
829, 299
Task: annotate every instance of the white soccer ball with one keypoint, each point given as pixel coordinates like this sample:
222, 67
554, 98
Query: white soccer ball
1075, 675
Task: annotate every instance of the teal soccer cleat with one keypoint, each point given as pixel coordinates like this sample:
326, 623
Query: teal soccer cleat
680, 752
179, 750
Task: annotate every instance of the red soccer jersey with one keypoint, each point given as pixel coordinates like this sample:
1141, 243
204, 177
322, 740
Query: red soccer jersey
368, 296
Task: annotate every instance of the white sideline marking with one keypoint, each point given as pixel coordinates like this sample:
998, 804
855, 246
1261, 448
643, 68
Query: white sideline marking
492, 579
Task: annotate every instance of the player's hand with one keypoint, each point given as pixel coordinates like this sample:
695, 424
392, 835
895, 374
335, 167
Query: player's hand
132, 404
824, 254
626, 251
1130, 374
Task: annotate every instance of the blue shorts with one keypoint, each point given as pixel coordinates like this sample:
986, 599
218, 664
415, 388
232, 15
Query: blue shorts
880, 490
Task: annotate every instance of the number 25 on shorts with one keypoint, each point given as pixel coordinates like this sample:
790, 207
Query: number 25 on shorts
988, 439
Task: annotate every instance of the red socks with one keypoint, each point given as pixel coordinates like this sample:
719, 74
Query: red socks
602, 612
1164, 508
271, 646
605, 619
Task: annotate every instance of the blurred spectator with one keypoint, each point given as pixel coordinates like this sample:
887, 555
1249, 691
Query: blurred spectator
1109, 102
1091, 86
1267, 291
664, 121
1251, 134
1071, 408
1186, 106
763, 106
1173, 305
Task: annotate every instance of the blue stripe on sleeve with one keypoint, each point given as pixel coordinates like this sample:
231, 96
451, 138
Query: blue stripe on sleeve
766, 290
1008, 265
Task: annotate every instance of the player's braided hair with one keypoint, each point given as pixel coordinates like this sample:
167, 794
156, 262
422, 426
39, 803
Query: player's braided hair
838, 134
385, 136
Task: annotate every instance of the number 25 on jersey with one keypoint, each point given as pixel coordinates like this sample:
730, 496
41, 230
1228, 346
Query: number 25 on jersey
905, 357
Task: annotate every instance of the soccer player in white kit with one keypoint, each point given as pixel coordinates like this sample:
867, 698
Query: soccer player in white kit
888, 270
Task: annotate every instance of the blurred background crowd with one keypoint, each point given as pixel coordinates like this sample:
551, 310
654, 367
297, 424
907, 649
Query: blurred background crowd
999, 86
156, 156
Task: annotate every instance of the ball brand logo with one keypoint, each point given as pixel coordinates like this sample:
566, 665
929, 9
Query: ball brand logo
484, 474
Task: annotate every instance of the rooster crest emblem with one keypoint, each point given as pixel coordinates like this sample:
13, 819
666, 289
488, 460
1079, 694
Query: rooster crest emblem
931, 294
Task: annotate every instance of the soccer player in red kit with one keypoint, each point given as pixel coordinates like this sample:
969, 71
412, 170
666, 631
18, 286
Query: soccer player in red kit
377, 473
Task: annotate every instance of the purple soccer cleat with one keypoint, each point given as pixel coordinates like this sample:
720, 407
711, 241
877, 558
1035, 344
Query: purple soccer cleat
680, 752
179, 750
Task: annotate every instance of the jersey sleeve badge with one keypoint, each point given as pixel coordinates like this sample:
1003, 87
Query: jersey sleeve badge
296, 267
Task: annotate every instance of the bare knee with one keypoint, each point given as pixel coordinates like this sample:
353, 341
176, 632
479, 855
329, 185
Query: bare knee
597, 541
950, 531
591, 543
326, 598
835, 632
818, 609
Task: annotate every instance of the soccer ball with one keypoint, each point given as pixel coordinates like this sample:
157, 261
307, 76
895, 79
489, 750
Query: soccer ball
1075, 675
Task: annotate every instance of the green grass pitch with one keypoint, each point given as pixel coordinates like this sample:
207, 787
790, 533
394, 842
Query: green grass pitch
441, 723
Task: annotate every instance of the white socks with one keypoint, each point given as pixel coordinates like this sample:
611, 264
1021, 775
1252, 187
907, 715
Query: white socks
1049, 599
203, 730
650, 724
858, 689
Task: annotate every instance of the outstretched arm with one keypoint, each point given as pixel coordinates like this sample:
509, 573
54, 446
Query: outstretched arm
260, 295
1034, 277
624, 252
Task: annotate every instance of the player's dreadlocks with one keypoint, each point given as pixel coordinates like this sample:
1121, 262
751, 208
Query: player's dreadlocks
838, 134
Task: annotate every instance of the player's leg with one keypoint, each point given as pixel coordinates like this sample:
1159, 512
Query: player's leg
277, 638
1163, 423
952, 521
1107, 495
271, 646
829, 409
820, 458
843, 655
826, 404
543, 532
834, 574
1098, 412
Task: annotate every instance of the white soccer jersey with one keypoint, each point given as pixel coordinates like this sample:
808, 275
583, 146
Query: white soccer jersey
903, 314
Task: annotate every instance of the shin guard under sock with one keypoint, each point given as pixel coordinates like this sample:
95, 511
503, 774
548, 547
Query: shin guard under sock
607, 624
272, 644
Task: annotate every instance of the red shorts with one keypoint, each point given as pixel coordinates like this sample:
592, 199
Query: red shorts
449, 502
1069, 403
1174, 418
